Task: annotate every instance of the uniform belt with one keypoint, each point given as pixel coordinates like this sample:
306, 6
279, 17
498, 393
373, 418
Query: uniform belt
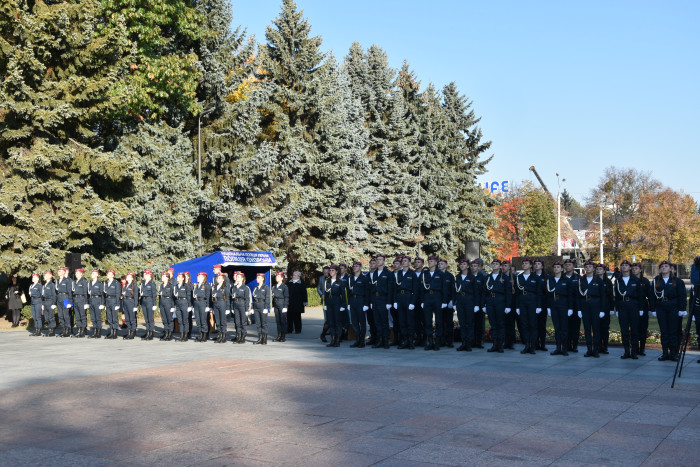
95, 296
263, 301
218, 300
462, 293
330, 295
46, 300
587, 298
185, 298
495, 294
239, 299
628, 299
430, 292
63, 293
524, 292
665, 299
379, 294
355, 295
80, 295
111, 296
278, 299
405, 291
201, 299
555, 296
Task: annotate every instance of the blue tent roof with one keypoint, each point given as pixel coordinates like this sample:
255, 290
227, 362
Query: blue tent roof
225, 258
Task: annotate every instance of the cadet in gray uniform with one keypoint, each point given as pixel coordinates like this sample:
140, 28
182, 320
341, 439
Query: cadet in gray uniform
148, 292
113, 290
261, 307
80, 304
241, 298
130, 301
280, 300
96, 298
201, 294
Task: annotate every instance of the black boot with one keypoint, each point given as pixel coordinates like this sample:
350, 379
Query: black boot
564, 352
37, 332
242, 339
168, 336
403, 344
526, 349
277, 339
499, 346
324, 332
493, 348
164, 336
589, 353
642, 344
674, 356
183, 337
531, 347
362, 343
664, 355
332, 342
409, 344
429, 344
264, 339
595, 352
283, 338
557, 351
260, 339
626, 355
356, 343
82, 332
633, 353
97, 333
377, 343
436, 344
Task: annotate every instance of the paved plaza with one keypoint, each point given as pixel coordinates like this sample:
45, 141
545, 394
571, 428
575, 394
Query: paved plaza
89, 402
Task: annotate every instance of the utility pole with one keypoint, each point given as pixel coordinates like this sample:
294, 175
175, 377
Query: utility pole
558, 212
209, 108
601, 235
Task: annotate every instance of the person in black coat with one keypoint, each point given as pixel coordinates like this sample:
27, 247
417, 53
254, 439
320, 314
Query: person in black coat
14, 302
298, 299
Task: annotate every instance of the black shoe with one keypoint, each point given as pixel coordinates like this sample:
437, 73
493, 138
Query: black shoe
362, 345
436, 345
557, 351
409, 344
168, 336
565, 353
277, 339
260, 339
493, 348
284, 337
330, 344
264, 340
242, 339
145, 336
589, 352
36, 333
356, 343
462, 348
626, 355
429, 344
385, 341
664, 356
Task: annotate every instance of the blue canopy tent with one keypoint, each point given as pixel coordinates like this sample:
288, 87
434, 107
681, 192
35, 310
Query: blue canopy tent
249, 263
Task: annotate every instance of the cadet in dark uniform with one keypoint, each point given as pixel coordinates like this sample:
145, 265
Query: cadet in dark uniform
448, 323
242, 304
574, 321
590, 297
113, 291
334, 297
467, 303
608, 307
512, 318
645, 291
528, 305
669, 303
497, 302
358, 302
64, 299
298, 300
96, 296
320, 288
405, 301
80, 304
220, 297
167, 306
480, 316
538, 268
345, 315
48, 302
148, 292
433, 298
418, 315
201, 293
628, 291
227, 283
182, 305
280, 302
394, 323
190, 304
261, 307
373, 339
382, 297
35, 292
559, 301
130, 301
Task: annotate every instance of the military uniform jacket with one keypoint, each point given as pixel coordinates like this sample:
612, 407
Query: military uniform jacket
672, 291
645, 298
190, 296
261, 296
220, 293
242, 293
48, 293
202, 293
148, 290
80, 287
449, 286
165, 291
130, 292
407, 283
113, 290
559, 292
358, 287
466, 289
494, 288
574, 278
382, 284
181, 292
593, 290
321, 285
609, 303
64, 289
35, 291
542, 278
433, 284
280, 295
335, 289
96, 291
632, 291
532, 286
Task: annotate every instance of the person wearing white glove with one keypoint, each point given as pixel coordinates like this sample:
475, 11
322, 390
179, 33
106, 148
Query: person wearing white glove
261, 302
35, 290
166, 303
221, 301
608, 303
590, 294
280, 302
528, 297
628, 301
201, 295
130, 299
559, 300
182, 301
112, 292
148, 294
48, 303
466, 303
95, 300
433, 296
405, 297
64, 295
498, 293
358, 286
448, 323
241, 303
382, 287
80, 302
669, 300
645, 294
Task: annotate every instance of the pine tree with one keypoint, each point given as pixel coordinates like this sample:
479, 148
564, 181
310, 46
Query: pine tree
59, 96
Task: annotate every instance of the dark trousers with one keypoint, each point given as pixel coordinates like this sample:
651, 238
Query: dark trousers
96, 313
529, 319
405, 320
200, 308
372, 324
181, 306
334, 316
419, 320
111, 307
432, 307
280, 319
560, 319
147, 309
358, 317
643, 328
574, 330
49, 318
220, 315
36, 313
496, 309
239, 316
479, 327
605, 330
381, 315
293, 321
465, 316
511, 320
591, 320
130, 313
63, 312
396, 321
667, 315
448, 324
166, 316
260, 318
628, 316
541, 328
80, 304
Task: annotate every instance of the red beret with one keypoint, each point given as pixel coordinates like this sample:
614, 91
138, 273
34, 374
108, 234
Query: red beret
380, 256
343, 265
131, 274
357, 263
557, 263
110, 270
569, 260
636, 265
217, 266
96, 270
418, 258
496, 260
49, 273
463, 260
528, 259
433, 258
334, 266
148, 271
36, 274
280, 273
171, 269
506, 261
201, 273
406, 257
80, 270
442, 260
625, 262
261, 274
538, 260
589, 263
664, 262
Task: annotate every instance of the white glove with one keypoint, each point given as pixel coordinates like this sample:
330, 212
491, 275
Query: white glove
538, 310
116, 308
85, 307
396, 305
172, 310
411, 306
682, 313
454, 308
228, 312
342, 309
102, 307
189, 308
284, 310
653, 313
450, 304
370, 305
422, 305
325, 308
444, 305
365, 308
136, 310
483, 309
69, 305
207, 310
266, 311
154, 308
549, 312
570, 313
388, 306
507, 310
42, 309
476, 308
580, 315
612, 313
517, 311
601, 314
53, 307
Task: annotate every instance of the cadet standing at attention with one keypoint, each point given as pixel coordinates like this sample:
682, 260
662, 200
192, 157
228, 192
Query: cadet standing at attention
668, 303
167, 306
64, 297
527, 305
590, 297
497, 303
130, 301
644, 302
628, 291
96, 296
405, 301
418, 316
261, 307
48, 302
538, 268
182, 305
559, 301
608, 307
35, 292
433, 298
358, 303
466, 304
148, 292
448, 323
382, 296
220, 297
80, 304
335, 304
477, 268
242, 302
574, 322
201, 294
112, 290
280, 301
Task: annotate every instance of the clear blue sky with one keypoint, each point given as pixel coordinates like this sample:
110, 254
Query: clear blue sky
570, 87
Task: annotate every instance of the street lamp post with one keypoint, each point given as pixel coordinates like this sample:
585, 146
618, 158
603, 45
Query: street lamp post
559, 214
209, 108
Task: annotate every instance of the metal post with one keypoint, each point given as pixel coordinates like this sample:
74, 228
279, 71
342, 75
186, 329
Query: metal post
199, 169
601, 236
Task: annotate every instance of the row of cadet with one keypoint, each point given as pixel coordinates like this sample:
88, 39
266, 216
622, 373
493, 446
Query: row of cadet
177, 299
419, 303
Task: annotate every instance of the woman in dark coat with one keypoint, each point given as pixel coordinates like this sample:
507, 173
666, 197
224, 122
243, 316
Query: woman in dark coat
14, 302
298, 299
